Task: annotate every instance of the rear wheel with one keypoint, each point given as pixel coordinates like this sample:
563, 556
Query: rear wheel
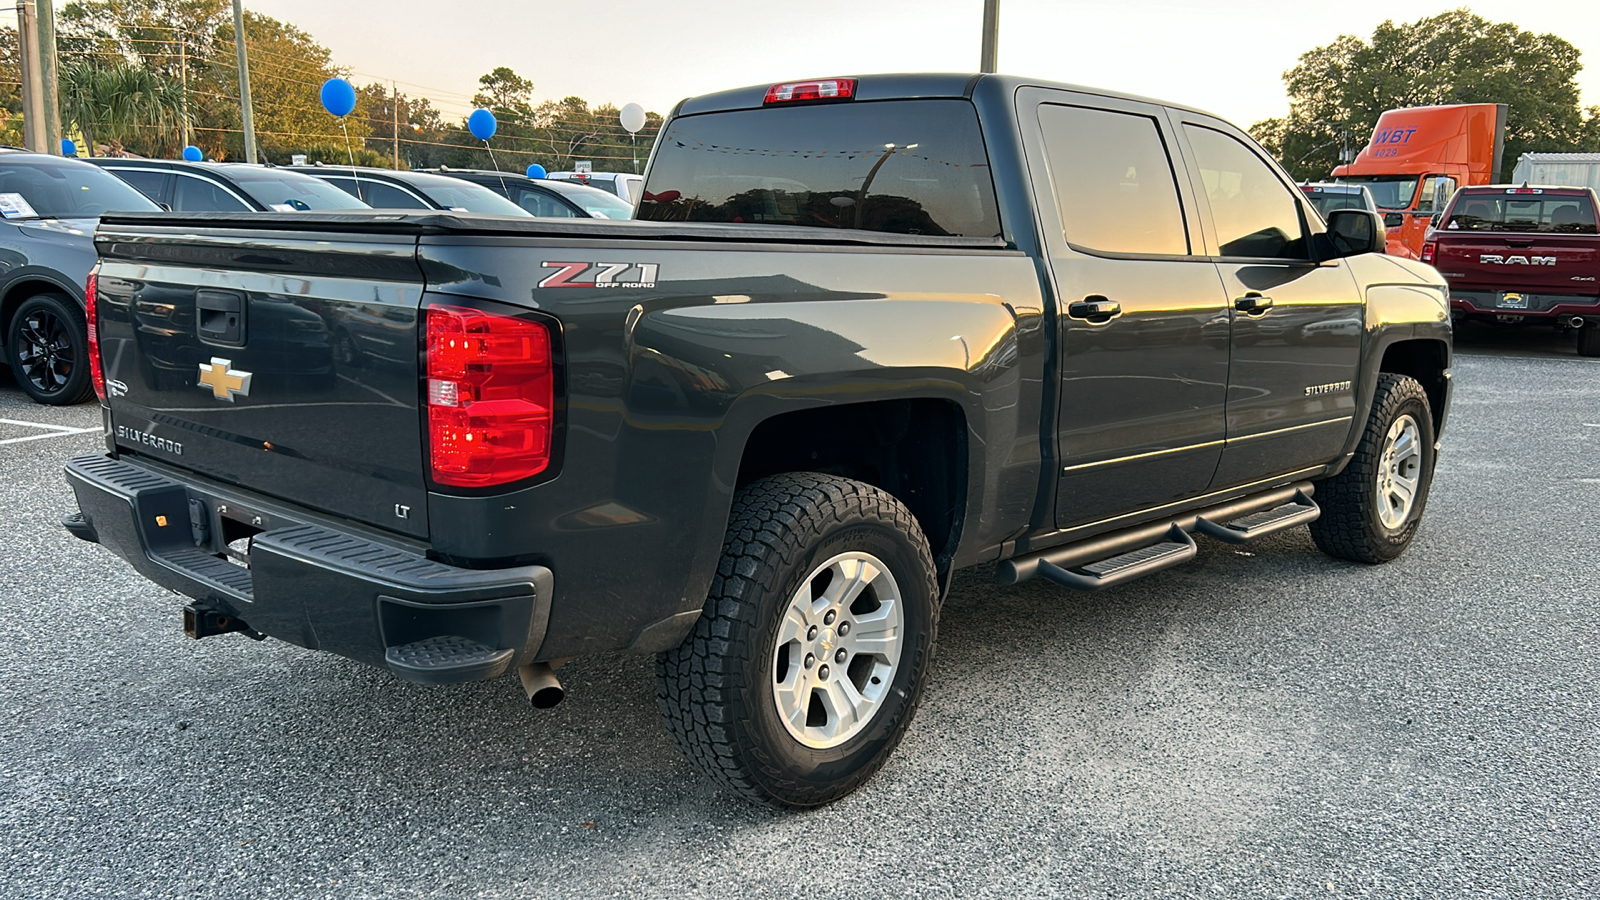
809, 660
1589, 340
47, 346
1371, 510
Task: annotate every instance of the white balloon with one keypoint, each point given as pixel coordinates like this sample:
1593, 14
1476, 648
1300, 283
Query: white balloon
632, 117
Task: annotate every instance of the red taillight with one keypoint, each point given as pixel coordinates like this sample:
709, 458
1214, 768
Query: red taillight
1428, 249
91, 315
823, 89
491, 395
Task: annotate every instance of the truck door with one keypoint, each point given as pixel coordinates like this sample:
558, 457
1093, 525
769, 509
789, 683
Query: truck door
1141, 317
1297, 323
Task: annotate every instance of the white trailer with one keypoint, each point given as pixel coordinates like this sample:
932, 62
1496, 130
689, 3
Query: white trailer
1561, 169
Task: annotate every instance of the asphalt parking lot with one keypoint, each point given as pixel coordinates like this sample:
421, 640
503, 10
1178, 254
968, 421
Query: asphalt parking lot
1265, 721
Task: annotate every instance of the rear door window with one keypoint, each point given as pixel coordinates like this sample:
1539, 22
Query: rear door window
386, 196
150, 182
1255, 215
541, 204
1113, 180
902, 166
191, 194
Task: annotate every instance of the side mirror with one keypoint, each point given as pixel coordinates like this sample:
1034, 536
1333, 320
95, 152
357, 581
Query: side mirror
1434, 221
1393, 220
1356, 231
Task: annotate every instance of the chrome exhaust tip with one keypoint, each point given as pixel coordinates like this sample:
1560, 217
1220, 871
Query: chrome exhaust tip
539, 681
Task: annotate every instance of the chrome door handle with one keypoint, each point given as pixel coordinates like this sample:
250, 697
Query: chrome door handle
1253, 303
1095, 307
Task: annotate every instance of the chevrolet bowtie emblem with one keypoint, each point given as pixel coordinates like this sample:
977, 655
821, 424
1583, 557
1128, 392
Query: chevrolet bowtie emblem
224, 380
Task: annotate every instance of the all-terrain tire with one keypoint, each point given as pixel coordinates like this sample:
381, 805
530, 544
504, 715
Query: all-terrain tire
1351, 525
47, 346
1589, 340
716, 690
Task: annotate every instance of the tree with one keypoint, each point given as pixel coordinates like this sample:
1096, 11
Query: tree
110, 103
1337, 91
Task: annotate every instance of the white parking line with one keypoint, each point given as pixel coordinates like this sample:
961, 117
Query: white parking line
57, 431
61, 428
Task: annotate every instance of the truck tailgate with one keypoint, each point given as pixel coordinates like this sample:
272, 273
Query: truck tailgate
1542, 263
285, 361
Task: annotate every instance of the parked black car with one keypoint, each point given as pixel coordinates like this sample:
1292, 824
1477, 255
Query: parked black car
184, 186
391, 189
546, 198
49, 207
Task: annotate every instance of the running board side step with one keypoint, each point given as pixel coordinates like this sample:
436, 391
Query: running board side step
1177, 549
1104, 560
1302, 510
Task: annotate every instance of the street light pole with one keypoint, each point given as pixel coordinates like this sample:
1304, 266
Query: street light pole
861, 195
991, 35
249, 122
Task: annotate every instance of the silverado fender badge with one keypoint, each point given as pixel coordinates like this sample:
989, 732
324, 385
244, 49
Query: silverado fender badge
224, 380
1337, 387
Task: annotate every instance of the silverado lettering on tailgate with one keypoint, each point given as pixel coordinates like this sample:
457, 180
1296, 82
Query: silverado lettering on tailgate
599, 275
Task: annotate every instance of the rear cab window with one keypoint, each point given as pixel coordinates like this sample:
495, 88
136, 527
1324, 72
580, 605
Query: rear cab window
898, 166
1523, 210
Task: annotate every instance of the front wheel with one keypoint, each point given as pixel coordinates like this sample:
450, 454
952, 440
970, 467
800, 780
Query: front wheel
1370, 511
48, 348
809, 660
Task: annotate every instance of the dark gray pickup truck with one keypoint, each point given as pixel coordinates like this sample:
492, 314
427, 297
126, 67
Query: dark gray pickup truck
864, 333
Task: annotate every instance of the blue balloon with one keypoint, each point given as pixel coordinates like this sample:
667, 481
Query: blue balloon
193, 153
536, 171
68, 148
338, 97
482, 124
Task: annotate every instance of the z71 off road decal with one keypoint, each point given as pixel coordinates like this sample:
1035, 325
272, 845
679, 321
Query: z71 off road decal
599, 275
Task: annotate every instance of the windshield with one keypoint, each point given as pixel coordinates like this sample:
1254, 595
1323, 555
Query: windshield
464, 195
1390, 191
38, 188
292, 192
902, 166
1558, 214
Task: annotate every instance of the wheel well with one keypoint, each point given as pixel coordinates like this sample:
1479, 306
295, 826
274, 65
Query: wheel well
914, 449
19, 293
1424, 360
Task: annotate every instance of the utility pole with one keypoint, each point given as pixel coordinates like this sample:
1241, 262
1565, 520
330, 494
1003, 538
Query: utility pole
991, 35
244, 84
33, 132
394, 101
45, 23
183, 83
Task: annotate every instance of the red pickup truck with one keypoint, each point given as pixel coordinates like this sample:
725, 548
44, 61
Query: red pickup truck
1515, 255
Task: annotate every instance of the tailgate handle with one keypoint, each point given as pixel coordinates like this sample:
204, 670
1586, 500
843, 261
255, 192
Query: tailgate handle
219, 317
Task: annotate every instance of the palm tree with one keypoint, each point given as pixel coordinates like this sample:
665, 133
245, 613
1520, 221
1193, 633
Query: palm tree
112, 102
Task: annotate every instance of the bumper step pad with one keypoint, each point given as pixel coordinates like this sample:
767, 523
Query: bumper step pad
464, 659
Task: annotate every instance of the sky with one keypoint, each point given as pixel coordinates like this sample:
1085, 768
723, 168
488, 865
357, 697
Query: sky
1224, 56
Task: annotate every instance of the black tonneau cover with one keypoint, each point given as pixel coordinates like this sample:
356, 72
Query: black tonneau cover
442, 223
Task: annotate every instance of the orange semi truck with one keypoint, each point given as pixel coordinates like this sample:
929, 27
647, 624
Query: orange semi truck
1418, 157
